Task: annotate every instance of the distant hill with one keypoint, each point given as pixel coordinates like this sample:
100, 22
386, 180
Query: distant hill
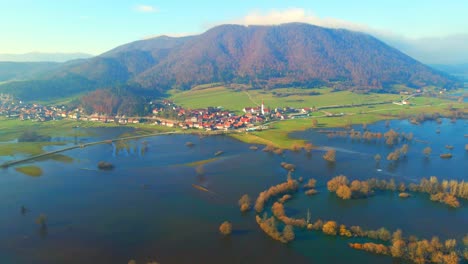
458, 70
11, 71
264, 56
43, 57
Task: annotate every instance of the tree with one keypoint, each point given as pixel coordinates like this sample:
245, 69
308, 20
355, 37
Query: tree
244, 203
336, 182
404, 149
225, 228
377, 158
395, 155
329, 228
344, 192
288, 233
314, 122
41, 220
427, 151
308, 147
311, 183
330, 156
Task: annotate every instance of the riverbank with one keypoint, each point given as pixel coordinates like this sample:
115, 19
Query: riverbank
278, 134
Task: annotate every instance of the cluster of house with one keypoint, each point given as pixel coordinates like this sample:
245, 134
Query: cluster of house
164, 113
212, 118
36, 112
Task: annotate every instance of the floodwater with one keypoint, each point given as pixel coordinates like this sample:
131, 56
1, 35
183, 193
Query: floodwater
146, 208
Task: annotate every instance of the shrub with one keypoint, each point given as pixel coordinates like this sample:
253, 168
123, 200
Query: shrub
329, 228
225, 228
404, 195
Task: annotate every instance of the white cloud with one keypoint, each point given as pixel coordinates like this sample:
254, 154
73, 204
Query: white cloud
276, 17
449, 49
435, 50
146, 9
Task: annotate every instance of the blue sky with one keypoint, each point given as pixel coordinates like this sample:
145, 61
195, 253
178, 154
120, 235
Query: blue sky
94, 26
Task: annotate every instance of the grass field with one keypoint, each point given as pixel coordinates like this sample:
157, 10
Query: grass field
32, 171
10, 129
237, 100
278, 134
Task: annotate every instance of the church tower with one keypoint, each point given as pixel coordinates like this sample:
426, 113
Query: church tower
263, 108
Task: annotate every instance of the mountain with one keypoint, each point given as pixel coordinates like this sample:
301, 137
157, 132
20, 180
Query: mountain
264, 56
458, 70
43, 57
13, 71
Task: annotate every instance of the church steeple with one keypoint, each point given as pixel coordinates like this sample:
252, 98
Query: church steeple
263, 108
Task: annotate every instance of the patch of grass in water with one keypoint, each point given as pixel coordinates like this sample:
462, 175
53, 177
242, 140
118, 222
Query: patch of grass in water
58, 157
32, 171
31, 148
200, 162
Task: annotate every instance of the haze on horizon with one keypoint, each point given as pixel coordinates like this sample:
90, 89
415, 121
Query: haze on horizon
431, 31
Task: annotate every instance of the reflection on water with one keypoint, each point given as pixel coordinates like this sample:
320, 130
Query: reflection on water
147, 206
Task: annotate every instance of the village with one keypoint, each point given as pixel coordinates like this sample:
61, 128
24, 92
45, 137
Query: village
164, 113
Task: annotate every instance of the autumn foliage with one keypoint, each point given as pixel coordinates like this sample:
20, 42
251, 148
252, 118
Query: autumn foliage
225, 228
278, 212
330, 156
245, 203
288, 186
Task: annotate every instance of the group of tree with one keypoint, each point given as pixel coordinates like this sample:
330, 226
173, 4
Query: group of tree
434, 186
245, 203
120, 101
417, 251
396, 154
289, 186
330, 155
342, 188
273, 149
269, 226
278, 212
288, 166
310, 187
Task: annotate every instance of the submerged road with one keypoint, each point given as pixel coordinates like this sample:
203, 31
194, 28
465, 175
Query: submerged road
15, 162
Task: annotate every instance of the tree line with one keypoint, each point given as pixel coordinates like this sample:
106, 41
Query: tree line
445, 191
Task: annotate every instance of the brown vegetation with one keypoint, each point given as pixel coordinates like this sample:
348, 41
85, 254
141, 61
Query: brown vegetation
311, 192
446, 198
245, 203
308, 147
446, 155
285, 198
427, 151
433, 186
102, 165
371, 247
225, 228
288, 186
288, 166
377, 158
278, 212
311, 183
404, 195
357, 189
268, 225
393, 156
330, 156
330, 228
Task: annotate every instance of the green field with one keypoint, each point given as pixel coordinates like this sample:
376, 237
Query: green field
292, 97
32, 171
277, 135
